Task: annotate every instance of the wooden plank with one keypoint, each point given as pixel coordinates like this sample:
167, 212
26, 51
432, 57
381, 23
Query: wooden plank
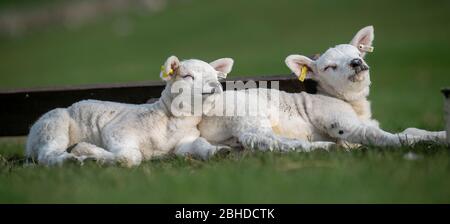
446, 92
20, 108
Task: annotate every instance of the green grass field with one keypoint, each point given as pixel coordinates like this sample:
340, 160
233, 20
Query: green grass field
409, 66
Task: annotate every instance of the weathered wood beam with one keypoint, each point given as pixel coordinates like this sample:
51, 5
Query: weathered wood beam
20, 108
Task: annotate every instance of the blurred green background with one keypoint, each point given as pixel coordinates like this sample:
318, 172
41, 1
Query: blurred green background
408, 68
409, 65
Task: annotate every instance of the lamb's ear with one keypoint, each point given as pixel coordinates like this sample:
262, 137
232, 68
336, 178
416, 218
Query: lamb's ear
363, 40
295, 62
223, 66
170, 68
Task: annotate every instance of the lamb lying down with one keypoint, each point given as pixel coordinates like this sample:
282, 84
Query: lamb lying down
128, 134
339, 113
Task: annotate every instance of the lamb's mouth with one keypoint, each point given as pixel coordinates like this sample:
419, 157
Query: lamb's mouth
358, 77
207, 94
359, 74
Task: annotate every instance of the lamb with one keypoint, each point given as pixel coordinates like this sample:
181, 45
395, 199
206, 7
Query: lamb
341, 111
338, 113
127, 134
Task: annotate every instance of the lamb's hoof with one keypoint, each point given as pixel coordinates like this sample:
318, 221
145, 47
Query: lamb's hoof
77, 160
81, 149
223, 151
324, 145
93, 160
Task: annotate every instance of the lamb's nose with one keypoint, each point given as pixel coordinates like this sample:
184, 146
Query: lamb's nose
355, 62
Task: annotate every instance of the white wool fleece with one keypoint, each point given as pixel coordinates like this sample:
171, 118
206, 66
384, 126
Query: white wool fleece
124, 133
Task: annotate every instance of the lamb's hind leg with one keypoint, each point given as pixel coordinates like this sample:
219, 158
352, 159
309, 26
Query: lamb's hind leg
85, 150
266, 140
49, 138
198, 147
256, 133
306, 146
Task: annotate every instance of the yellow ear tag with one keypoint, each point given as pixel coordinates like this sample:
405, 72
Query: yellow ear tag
303, 72
164, 74
366, 48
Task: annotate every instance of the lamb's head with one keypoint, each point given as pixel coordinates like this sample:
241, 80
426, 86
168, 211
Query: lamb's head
193, 79
341, 71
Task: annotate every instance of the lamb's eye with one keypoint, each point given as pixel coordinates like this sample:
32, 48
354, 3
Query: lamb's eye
187, 76
330, 66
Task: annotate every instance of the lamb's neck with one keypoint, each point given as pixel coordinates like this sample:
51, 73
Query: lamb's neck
362, 108
358, 101
163, 103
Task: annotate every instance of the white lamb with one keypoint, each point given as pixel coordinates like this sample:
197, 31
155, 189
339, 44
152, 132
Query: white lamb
128, 134
339, 112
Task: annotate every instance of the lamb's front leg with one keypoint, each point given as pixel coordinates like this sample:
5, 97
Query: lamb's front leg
370, 135
198, 147
341, 122
438, 136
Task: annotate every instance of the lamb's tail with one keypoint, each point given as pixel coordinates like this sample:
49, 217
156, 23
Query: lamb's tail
49, 138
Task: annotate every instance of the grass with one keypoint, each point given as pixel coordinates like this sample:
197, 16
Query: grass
409, 66
369, 175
